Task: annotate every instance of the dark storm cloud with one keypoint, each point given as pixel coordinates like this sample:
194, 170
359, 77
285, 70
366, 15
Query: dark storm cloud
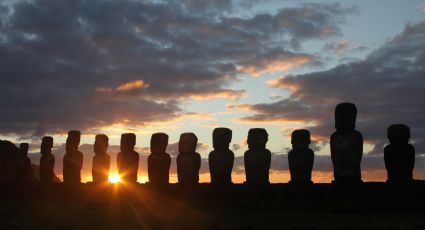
84, 64
387, 87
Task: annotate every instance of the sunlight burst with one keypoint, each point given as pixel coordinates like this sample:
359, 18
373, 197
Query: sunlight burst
115, 178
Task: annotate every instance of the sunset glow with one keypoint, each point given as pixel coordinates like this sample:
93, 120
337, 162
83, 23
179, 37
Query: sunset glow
114, 178
191, 66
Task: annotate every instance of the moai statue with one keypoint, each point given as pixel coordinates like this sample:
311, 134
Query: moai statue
221, 158
101, 160
9, 162
73, 159
47, 160
399, 155
159, 161
301, 157
188, 160
26, 172
346, 145
257, 159
128, 159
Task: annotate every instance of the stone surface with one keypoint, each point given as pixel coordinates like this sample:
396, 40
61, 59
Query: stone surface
257, 159
128, 159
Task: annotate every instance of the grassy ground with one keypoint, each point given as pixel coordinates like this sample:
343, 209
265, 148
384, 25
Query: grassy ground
369, 206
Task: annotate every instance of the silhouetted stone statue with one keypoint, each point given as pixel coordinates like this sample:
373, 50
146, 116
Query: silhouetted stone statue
159, 161
301, 157
221, 158
73, 159
257, 159
399, 155
346, 145
9, 162
101, 160
26, 172
188, 160
47, 160
128, 159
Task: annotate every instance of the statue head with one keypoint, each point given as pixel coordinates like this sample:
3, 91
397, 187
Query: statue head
128, 141
398, 134
345, 117
159, 142
23, 147
46, 144
257, 138
222, 138
73, 140
300, 139
188, 143
101, 142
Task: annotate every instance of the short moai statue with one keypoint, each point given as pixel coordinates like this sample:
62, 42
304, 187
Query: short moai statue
257, 159
301, 157
26, 172
346, 145
101, 160
47, 160
159, 160
128, 159
73, 159
221, 158
10, 156
399, 155
188, 160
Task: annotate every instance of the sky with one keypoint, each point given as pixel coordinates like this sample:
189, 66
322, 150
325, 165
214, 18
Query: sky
112, 67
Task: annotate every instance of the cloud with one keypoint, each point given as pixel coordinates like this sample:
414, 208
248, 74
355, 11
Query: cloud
236, 147
386, 87
280, 61
90, 64
124, 87
132, 85
275, 96
342, 47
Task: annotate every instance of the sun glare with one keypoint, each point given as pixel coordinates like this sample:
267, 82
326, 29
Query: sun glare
115, 178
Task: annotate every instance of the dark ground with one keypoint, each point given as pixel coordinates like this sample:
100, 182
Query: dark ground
278, 206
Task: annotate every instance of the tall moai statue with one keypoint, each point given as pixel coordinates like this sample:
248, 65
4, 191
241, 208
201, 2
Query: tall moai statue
128, 159
399, 155
47, 160
101, 160
159, 160
188, 160
257, 159
221, 158
73, 159
301, 157
346, 145
26, 172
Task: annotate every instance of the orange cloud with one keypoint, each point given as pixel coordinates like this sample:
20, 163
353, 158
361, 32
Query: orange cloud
241, 107
228, 94
124, 87
132, 85
281, 83
253, 120
279, 64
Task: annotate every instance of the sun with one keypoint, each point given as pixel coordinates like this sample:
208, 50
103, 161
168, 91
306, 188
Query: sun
114, 178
